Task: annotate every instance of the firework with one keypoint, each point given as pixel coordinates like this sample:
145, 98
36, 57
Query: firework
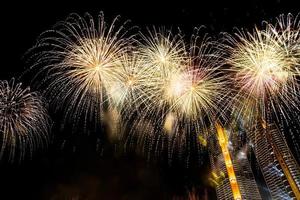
77, 62
263, 72
198, 94
200, 89
24, 122
287, 32
164, 55
161, 54
129, 89
186, 91
129, 92
162, 50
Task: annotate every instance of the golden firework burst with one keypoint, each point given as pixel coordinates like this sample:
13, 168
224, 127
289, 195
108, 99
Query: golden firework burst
263, 72
77, 62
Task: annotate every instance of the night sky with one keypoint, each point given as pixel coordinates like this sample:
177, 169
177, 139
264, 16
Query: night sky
73, 167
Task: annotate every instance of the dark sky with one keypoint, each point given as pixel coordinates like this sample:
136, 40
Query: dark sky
63, 174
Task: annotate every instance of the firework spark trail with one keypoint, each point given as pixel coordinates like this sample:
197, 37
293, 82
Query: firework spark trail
77, 61
24, 123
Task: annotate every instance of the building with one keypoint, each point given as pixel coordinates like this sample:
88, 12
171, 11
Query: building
231, 169
277, 164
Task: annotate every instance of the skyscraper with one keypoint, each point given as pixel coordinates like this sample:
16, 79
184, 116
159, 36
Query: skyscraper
228, 156
278, 166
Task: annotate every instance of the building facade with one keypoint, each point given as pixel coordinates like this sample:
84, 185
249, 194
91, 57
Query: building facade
239, 164
277, 164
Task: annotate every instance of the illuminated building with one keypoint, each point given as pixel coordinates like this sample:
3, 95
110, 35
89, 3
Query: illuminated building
278, 166
231, 170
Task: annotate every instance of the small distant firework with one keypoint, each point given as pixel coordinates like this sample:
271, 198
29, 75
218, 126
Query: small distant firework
24, 123
77, 62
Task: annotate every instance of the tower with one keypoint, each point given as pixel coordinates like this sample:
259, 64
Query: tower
278, 166
231, 169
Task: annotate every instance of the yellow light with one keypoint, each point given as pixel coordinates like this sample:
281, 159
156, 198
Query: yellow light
230, 170
202, 140
130, 81
97, 68
169, 122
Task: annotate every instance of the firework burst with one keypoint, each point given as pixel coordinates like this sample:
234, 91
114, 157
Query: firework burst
162, 54
186, 93
287, 33
264, 73
162, 50
127, 92
24, 123
200, 88
129, 89
77, 62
